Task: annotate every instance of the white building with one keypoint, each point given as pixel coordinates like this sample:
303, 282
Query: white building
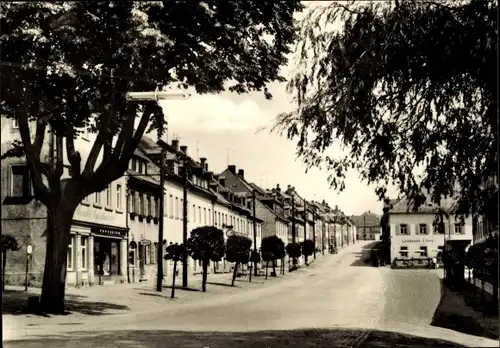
415, 234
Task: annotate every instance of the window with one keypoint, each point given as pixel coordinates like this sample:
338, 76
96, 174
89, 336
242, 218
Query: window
20, 181
134, 164
205, 216
85, 199
171, 208
148, 205
153, 207
459, 228
15, 124
181, 208
194, 213
403, 251
70, 253
403, 229
153, 253
139, 163
422, 229
141, 204
131, 200
199, 214
118, 196
220, 222
84, 252
97, 198
108, 196
176, 207
209, 216
423, 251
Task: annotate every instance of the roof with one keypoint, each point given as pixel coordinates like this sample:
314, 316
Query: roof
368, 219
404, 205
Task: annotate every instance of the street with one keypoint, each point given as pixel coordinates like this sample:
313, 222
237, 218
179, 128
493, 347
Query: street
339, 302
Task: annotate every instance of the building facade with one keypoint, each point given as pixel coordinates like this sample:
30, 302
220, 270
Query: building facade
416, 235
367, 226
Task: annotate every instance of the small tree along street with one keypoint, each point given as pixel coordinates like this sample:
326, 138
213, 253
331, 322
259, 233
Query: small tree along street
409, 91
66, 67
272, 249
206, 244
177, 253
307, 248
294, 252
238, 251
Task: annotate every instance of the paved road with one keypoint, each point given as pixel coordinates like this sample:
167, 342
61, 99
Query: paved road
342, 302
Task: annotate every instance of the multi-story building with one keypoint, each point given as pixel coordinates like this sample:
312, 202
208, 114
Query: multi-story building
98, 243
486, 223
267, 207
367, 226
417, 234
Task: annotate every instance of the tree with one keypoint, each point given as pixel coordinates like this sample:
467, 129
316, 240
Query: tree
270, 248
206, 243
408, 88
237, 251
177, 253
294, 251
66, 67
9, 243
307, 247
281, 254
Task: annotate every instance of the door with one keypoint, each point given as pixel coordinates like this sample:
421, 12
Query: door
142, 260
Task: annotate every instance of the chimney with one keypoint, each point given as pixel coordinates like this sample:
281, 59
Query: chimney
324, 202
216, 178
184, 149
278, 188
202, 161
206, 167
232, 169
288, 187
175, 145
336, 207
241, 173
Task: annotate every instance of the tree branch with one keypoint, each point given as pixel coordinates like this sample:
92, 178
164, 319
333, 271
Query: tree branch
60, 158
127, 130
41, 126
74, 157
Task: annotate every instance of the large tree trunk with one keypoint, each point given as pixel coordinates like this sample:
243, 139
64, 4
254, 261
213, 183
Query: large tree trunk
274, 268
305, 260
267, 266
235, 271
204, 276
54, 275
173, 280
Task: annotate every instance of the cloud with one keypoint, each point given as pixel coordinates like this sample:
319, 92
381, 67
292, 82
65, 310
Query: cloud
214, 113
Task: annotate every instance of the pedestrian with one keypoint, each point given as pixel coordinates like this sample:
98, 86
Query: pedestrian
434, 262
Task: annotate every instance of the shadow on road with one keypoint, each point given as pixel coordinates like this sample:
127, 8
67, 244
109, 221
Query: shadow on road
292, 338
16, 303
458, 311
364, 256
222, 284
179, 287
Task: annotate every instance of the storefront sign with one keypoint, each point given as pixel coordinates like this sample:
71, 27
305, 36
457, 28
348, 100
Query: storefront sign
108, 232
417, 241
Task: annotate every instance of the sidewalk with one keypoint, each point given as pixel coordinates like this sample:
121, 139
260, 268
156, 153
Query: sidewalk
89, 306
456, 312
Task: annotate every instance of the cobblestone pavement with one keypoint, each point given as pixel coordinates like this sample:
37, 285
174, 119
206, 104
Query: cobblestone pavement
339, 302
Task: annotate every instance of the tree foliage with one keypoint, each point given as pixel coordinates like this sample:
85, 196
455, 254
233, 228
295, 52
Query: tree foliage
307, 247
206, 243
238, 249
9, 243
271, 248
409, 90
293, 250
176, 252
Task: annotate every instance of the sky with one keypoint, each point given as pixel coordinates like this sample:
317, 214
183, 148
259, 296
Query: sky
227, 129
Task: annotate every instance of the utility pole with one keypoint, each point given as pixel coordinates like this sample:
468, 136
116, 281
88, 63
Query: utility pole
184, 220
254, 234
314, 233
305, 220
159, 271
364, 226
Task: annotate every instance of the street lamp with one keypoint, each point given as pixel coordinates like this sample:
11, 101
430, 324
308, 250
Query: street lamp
157, 95
29, 250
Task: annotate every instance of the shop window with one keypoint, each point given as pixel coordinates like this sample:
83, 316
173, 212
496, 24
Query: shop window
131, 253
71, 253
403, 251
147, 251
84, 244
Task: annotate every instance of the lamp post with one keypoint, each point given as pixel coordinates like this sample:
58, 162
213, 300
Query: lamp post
29, 250
157, 95
254, 233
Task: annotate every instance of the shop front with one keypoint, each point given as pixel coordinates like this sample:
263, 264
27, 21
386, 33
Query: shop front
110, 252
